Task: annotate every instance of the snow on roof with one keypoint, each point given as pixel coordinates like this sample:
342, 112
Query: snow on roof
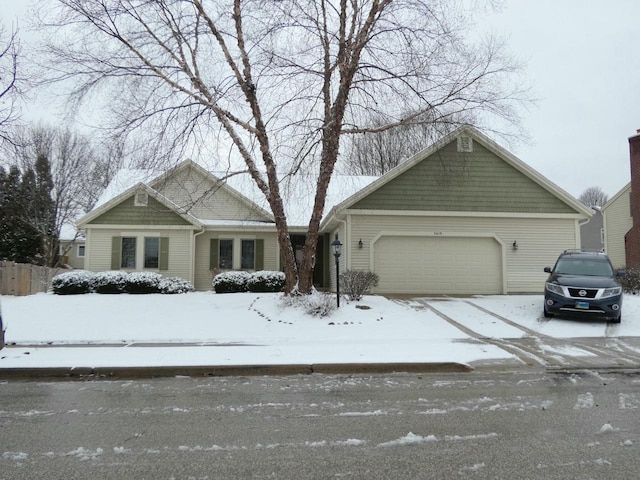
69, 232
298, 192
123, 180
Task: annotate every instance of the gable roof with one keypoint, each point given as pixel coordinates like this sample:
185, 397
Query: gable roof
128, 193
623, 190
222, 180
298, 192
487, 143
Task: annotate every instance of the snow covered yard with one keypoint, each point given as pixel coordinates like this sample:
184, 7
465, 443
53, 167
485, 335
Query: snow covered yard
254, 328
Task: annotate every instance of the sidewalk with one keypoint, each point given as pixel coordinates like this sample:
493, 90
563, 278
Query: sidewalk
147, 360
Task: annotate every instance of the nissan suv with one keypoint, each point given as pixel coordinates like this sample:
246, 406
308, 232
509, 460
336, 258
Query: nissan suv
583, 284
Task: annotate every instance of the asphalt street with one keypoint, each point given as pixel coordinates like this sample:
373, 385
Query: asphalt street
521, 424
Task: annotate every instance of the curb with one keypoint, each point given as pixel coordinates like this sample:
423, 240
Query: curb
84, 373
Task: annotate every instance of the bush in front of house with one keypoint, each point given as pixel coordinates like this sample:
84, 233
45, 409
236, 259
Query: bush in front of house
172, 285
114, 281
231, 282
357, 283
630, 281
143, 282
266, 281
73, 283
316, 304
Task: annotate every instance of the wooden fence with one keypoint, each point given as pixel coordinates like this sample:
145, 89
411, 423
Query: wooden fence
24, 279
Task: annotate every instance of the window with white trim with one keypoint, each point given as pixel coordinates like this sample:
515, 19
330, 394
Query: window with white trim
151, 252
247, 254
81, 249
128, 253
225, 257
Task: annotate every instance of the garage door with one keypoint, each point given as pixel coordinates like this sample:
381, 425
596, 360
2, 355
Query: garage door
438, 265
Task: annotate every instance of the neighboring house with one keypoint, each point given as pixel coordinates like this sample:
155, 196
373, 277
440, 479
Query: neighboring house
592, 232
617, 222
632, 238
463, 216
72, 247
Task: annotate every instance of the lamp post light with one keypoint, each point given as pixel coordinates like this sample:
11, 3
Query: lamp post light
336, 245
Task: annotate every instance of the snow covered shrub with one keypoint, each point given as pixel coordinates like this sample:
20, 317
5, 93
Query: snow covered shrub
175, 285
630, 281
231, 282
266, 281
110, 282
316, 304
143, 282
72, 283
357, 283
320, 304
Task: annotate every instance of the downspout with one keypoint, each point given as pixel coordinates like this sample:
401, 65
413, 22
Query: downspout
579, 233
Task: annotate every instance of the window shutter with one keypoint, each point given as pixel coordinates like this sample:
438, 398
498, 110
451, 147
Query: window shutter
259, 255
213, 254
116, 252
164, 253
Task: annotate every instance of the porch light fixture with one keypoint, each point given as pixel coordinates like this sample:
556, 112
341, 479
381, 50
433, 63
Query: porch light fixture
515, 245
360, 244
336, 246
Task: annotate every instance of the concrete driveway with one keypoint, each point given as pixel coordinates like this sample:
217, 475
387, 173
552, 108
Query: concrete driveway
518, 327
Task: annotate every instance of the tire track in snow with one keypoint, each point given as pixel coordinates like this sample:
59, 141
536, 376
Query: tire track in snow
537, 349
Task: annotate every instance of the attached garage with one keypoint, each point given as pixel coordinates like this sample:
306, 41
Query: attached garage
462, 217
438, 264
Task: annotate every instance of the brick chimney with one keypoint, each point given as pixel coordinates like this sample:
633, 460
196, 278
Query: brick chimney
632, 238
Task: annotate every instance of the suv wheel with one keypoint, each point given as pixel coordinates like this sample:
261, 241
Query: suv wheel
546, 313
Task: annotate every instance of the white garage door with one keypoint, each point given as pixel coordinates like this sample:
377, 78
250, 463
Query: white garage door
438, 265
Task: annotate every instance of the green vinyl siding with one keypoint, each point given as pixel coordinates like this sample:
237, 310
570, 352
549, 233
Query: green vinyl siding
126, 213
116, 258
478, 181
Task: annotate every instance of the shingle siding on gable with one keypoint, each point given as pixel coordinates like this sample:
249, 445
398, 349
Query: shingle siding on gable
477, 181
126, 213
203, 199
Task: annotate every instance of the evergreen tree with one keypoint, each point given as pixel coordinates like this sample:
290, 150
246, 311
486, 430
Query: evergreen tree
18, 241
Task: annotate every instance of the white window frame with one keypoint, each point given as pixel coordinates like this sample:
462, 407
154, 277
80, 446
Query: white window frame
84, 251
233, 250
253, 262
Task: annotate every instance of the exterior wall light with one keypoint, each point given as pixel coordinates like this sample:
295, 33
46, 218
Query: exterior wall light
360, 244
515, 245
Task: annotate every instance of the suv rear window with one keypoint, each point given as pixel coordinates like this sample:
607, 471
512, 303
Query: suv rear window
583, 266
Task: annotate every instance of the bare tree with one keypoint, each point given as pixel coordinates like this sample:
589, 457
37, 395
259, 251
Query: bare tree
280, 82
78, 175
9, 93
593, 197
377, 153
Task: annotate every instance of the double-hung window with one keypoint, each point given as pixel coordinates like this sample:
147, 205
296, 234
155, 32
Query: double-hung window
128, 253
225, 258
248, 254
151, 252
80, 251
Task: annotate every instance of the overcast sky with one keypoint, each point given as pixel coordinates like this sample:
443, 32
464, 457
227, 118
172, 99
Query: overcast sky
584, 69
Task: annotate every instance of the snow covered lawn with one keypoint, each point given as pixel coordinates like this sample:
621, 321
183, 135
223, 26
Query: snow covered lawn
254, 328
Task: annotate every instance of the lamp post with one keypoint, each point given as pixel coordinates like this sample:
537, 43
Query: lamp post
336, 245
